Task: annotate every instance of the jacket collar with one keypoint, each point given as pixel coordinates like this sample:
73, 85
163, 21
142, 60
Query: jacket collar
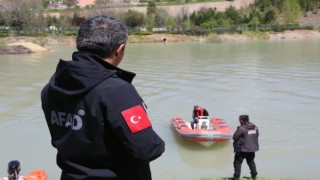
86, 56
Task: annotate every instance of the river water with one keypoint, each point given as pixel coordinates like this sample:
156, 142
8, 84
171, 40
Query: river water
277, 83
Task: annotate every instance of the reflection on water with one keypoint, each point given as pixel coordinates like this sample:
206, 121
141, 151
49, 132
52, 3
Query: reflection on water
276, 82
204, 158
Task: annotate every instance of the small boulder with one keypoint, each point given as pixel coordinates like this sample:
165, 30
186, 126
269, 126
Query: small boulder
18, 49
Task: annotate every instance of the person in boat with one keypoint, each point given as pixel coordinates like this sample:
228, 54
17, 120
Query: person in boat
198, 112
245, 145
96, 118
13, 171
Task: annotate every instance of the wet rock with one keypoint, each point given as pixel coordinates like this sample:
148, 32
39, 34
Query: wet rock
15, 50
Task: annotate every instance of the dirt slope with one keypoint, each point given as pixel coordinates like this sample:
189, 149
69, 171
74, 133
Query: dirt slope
190, 8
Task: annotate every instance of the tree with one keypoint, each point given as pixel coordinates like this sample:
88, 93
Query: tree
133, 18
269, 17
161, 17
277, 3
263, 4
24, 14
308, 5
45, 3
52, 20
151, 8
201, 16
291, 11
2, 19
233, 15
255, 14
254, 22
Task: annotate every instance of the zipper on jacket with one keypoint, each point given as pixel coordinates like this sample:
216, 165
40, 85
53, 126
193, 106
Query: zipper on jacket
144, 104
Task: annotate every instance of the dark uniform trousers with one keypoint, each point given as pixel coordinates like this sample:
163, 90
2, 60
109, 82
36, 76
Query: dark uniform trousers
238, 159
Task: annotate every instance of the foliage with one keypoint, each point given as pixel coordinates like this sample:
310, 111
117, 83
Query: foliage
161, 17
52, 20
23, 14
140, 33
233, 15
254, 22
45, 3
170, 22
291, 10
2, 20
309, 5
195, 31
3, 34
69, 33
151, 8
133, 18
269, 17
29, 16
202, 16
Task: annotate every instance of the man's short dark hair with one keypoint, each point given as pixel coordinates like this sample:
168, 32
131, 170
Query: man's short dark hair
101, 35
244, 118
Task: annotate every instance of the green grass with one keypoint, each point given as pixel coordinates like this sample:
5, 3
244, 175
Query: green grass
2, 43
257, 34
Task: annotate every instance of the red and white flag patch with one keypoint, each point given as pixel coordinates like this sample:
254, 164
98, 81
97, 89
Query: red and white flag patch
136, 118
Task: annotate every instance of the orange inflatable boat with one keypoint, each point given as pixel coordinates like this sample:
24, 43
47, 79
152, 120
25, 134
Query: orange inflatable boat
207, 132
36, 175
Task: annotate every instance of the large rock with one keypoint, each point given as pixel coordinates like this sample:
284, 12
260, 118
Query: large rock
32, 46
18, 49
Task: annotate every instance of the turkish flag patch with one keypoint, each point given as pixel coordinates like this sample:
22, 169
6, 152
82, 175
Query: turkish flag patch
136, 118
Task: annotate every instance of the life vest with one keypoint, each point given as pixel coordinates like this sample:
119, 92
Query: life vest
199, 112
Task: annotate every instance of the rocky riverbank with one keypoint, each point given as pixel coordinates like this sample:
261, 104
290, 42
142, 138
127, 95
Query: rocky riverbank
22, 45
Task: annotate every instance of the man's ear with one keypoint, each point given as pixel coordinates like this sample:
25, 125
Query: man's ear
120, 50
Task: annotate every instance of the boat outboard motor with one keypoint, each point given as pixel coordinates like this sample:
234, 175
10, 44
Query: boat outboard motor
13, 170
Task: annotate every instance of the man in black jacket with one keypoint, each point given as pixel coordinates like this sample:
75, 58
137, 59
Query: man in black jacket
96, 118
245, 145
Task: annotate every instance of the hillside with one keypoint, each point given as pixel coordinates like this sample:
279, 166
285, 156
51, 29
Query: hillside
310, 18
190, 8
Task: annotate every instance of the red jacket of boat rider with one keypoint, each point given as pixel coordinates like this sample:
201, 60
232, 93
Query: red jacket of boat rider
199, 111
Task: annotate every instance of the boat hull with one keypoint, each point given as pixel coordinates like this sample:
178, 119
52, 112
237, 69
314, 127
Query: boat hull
208, 131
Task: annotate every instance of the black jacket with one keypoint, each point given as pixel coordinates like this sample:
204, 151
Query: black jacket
246, 137
84, 105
